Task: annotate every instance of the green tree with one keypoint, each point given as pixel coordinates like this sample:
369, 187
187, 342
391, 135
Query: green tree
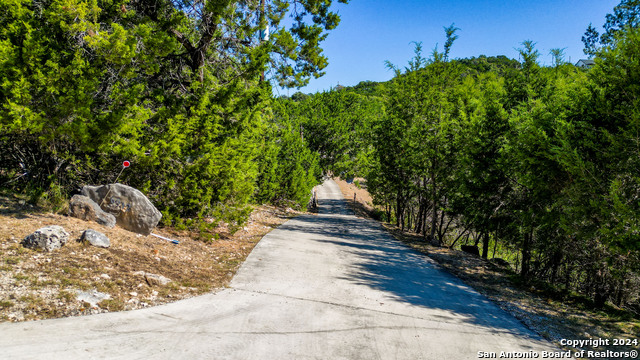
173, 86
625, 14
481, 175
289, 168
450, 33
557, 55
600, 152
412, 144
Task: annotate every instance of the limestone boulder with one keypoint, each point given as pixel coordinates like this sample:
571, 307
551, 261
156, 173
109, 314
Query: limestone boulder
82, 207
132, 209
47, 238
93, 297
95, 238
153, 279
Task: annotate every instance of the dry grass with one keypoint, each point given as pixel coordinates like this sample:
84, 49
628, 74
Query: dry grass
39, 285
357, 196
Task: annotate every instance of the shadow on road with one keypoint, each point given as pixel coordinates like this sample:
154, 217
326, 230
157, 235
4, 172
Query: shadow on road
386, 264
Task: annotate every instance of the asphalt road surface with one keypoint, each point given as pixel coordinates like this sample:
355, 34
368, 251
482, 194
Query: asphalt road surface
326, 286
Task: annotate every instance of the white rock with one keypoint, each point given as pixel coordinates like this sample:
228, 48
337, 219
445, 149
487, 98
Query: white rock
47, 238
92, 297
154, 279
95, 238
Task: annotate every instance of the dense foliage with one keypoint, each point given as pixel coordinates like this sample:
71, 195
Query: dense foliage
173, 86
536, 164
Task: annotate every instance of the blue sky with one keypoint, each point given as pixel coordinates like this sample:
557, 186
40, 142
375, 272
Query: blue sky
372, 31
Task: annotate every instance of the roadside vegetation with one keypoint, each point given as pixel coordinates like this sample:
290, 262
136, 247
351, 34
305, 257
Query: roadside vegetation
80, 279
534, 165
553, 315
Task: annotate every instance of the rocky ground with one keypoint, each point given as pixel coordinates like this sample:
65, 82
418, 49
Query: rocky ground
135, 271
552, 318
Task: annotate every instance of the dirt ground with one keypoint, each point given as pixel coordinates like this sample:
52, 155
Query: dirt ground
551, 318
356, 189
82, 279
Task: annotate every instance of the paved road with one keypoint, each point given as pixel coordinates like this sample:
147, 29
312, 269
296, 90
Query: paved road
327, 286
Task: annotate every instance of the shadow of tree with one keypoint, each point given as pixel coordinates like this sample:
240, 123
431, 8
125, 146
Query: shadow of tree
387, 265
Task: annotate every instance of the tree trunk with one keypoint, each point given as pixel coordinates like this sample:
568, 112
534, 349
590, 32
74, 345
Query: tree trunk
526, 255
419, 222
602, 286
412, 211
495, 245
567, 276
600, 295
441, 223
485, 245
424, 221
388, 212
434, 216
425, 205
556, 261
397, 211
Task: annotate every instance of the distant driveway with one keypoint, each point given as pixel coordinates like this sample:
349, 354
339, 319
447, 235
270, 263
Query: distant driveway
327, 286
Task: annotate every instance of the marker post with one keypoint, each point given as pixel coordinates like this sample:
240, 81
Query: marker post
125, 164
